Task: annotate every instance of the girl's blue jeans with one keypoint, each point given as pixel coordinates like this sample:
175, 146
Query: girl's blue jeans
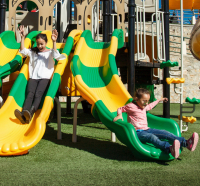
154, 136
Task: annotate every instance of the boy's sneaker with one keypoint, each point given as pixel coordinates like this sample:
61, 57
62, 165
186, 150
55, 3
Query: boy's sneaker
174, 149
192, 141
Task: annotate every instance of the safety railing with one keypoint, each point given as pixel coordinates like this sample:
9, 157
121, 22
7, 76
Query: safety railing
189, 16
176, 45
140, 31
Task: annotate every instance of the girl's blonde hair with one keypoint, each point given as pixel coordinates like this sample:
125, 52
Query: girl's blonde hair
141, 91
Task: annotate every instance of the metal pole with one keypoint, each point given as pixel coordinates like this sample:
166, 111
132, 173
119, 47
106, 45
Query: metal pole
68, 108
59, 133
97, 20
55, 106
58, 12
25, 6
71, 10
181, 85
3, 7
131, 42
105, 21
166, 87
74, 136
110, 20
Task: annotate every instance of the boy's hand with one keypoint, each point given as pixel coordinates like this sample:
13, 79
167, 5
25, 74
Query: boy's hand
164, 99
21, 30
118, 117
54, 35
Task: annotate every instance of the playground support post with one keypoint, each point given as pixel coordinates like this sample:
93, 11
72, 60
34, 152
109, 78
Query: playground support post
24, 6
131, 43
3, 7
106, 21
58, 16
110, 20
166, 87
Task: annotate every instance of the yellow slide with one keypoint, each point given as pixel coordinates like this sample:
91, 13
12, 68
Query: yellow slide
17, 138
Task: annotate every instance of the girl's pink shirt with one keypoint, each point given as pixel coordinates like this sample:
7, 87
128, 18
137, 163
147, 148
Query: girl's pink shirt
136, 115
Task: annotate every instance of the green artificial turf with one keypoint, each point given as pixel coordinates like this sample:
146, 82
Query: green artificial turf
95, 160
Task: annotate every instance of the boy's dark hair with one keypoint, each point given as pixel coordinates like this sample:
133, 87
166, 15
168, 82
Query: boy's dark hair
141, 91
42, 36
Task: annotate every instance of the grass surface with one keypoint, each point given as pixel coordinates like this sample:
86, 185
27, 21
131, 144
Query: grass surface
95, 160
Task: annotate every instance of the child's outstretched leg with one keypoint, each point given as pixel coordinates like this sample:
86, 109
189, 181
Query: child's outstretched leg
153, 136
40, 89
192, 141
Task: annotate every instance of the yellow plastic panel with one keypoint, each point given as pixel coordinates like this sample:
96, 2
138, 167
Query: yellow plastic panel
49, 40
68, 87
175, 80
188, 119
114, 42
6, 54
17, 138
91, 57
111, 93
12, 132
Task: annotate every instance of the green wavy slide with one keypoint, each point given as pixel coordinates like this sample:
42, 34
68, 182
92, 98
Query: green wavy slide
96, 77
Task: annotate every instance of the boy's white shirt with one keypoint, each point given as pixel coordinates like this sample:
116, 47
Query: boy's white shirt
41, 65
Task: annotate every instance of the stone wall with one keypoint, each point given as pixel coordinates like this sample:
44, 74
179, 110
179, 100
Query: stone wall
191, 73
191, 68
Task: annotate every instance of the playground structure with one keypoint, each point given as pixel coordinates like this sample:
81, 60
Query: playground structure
182, 4
105, 72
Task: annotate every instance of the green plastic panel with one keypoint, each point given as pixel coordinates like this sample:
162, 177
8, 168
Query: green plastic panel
119, 33
168, 64
18, 90
192, 101
67, 49
94, 77
8, 39
90, 42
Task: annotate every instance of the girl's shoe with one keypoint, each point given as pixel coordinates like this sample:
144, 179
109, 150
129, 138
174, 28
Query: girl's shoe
29, 114
19, 115
192, 141
174, 149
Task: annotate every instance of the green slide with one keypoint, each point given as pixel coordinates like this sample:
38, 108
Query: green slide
96, 77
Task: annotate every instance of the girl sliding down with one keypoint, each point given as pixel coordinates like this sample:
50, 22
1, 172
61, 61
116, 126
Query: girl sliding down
137, 117
41, 67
